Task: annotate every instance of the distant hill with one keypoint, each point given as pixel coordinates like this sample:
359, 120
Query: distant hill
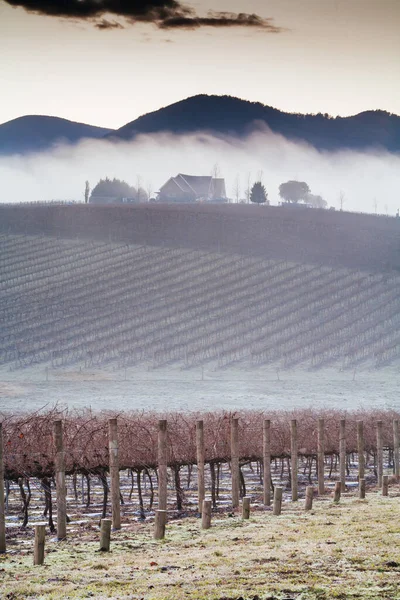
225, 115
219, 115
35, 133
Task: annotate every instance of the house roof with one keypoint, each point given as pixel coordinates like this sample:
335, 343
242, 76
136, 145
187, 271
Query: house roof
180, 183
201, 186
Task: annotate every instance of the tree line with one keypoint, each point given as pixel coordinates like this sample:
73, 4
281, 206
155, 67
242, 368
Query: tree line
291, 192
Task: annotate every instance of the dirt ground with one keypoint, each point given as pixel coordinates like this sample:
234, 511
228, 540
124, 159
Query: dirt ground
141, 388
346, 550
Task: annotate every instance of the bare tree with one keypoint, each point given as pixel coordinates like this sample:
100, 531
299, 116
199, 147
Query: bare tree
341, 199
149, 190
87, 192
139, 188
236, 189
248, 189
216, 171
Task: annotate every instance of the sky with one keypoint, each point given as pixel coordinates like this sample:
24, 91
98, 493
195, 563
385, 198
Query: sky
105, 68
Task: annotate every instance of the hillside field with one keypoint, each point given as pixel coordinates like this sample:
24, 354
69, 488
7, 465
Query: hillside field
198, 306
89, 303
312, 236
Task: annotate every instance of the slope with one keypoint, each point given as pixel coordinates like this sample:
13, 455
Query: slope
226, 115
91, 303
34, 133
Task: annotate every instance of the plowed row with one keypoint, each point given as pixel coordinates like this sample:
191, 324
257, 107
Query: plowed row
92, 303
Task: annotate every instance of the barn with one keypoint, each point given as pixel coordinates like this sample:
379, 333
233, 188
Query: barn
193, 188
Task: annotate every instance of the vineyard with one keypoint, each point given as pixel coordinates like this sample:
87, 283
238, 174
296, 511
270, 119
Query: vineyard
324, 237
77, 302
91, 303
322, 446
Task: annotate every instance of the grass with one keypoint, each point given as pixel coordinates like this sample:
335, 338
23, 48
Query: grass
336, 551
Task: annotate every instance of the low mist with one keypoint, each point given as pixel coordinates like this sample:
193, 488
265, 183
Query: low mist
366, 181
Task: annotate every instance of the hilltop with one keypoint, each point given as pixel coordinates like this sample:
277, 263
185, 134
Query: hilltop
315, 236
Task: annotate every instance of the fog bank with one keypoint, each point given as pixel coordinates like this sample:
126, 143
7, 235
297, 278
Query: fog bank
369, 181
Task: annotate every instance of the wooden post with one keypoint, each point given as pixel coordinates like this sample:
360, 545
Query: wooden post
246, 507
40, 535
309, 497
396, 453
162, 465
385, 485
60, 481
235, 461
159, 525
361, 489
360, 450
294, 459
2, 502
338, 487
267, 461
206, 514
200, 462
342, 454
277, 501
379, 451
321, 456
105, 535
114, 473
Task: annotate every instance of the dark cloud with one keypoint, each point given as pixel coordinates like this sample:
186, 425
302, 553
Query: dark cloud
165, 14
104, 24
219, 19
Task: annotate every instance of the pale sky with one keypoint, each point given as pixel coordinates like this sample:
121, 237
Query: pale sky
335, 56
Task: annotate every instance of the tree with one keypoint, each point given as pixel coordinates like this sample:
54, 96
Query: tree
341, 199
141, 195
113, 188
258, 195
87, 192
149, 190
316, 201
216, 172
236, 189
294, 191
248, 188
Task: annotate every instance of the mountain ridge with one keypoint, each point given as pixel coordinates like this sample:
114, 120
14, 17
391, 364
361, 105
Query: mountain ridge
217, 115
227, 115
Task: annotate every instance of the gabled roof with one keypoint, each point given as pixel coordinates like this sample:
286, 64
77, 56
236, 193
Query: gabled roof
200, 184
183, 184
180, 183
